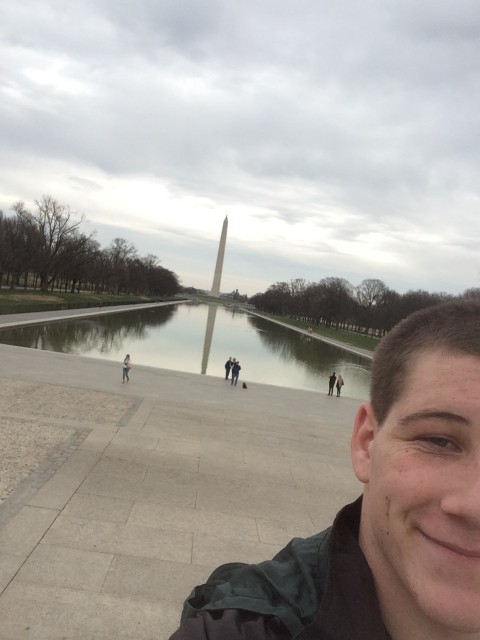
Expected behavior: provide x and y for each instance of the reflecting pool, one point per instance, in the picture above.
(198, 338)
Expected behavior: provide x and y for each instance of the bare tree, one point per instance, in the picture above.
(473, 292)
(121, 253)
(47, 244)
(369, 292)
(3, 246)
(17, 245)
(78, 254)
(55, 229)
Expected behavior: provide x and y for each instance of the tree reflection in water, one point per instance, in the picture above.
(318, 358)
(103, 333)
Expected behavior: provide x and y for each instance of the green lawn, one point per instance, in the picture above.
(226, 302)
(21, 301)
(349, 337)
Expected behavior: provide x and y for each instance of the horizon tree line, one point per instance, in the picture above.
(44, 249)
(371, 308)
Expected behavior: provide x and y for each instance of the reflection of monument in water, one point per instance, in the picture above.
(212, 308)
(207, 343)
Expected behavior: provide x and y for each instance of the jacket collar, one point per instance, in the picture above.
(349, 607)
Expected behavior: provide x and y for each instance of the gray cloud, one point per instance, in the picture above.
(361, 117)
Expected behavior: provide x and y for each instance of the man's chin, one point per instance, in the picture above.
(452, 609)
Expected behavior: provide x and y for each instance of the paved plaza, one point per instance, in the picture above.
(116, 499)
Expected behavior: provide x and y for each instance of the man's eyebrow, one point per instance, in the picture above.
(427, 414)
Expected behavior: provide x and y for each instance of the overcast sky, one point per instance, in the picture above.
(340, 137)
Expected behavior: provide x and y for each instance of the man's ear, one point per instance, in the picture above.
(364, 432)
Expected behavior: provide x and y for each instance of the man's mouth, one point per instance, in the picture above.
(467, 552)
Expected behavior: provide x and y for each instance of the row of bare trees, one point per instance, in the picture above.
(371, 307)
(45, 249)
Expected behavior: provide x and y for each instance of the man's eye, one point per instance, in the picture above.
(438, 441)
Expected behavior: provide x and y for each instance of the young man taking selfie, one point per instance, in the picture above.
(403, 561)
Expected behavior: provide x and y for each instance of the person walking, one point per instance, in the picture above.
(126, 368)
(331, 383)
(235, 372)
(228, 366)
(339, 385)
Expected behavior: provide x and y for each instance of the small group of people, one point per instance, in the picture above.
(232, 366)
(331, 384)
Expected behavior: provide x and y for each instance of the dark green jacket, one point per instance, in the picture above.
(318, 588)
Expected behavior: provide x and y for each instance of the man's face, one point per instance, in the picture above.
(420, 527)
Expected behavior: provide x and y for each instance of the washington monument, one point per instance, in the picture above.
(219, 265)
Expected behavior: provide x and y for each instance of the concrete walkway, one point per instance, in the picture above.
(116, 499)
(9, 320)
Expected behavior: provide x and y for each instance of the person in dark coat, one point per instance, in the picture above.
(403, 561)
(228, 366)
(331, 383)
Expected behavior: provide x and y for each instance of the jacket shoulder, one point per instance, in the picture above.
(289, 586)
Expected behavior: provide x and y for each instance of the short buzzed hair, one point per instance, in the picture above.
(452, 326)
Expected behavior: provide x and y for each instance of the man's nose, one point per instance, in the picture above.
(462, 496)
